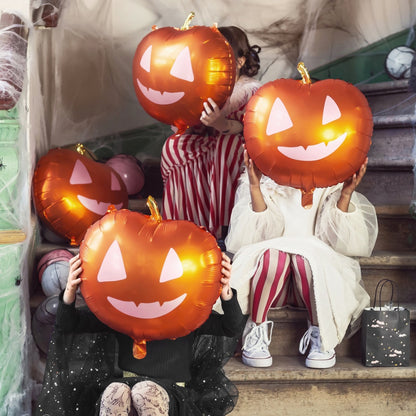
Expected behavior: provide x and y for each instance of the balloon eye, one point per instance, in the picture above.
(182, 67)
(331, 111)
(279, 119)
(80, 174)
(112, 268)
(172, 268)
(145, 61)
(115, 184)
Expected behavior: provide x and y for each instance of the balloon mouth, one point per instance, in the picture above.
(143, 310)
(159, 97)
(96, 207)
(313, 152)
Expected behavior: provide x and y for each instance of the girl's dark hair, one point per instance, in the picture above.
(241, 47)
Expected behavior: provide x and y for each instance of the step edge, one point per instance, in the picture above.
(400, 120)
(286, 369)
(388, 259)
(385, 87)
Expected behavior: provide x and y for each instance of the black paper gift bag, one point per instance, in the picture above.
(385, 332)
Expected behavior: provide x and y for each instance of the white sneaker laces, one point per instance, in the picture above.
(311, 334)
(259, 336)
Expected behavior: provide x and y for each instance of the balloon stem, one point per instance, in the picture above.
(139, 349)
(80, 148)
(83, 151)
(307, 199)
(306, 79)
(188, 21)
(154, 210)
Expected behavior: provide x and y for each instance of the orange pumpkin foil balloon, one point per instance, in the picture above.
(176, 70)
(71, 191)
(307, 135)
(149, 278)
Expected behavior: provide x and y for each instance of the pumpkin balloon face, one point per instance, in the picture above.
(176, 70)
(308, 135)
(72, 191)
(149, 278)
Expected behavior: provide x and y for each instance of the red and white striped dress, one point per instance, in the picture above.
(200, 172)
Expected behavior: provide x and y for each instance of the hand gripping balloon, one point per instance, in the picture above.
(149, 278)
(176, 70)
(307, 135)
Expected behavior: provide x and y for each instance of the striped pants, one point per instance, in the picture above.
(281, 279)
(200, 175)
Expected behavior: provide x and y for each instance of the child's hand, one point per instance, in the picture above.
(226, 292)
(213, 117)
(349, 187)
(73, 279)
(254, 173)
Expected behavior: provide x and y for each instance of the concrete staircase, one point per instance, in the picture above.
(288, 387)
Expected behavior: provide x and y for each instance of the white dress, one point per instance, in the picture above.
(327, 237)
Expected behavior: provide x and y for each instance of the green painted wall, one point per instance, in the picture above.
(365, 65)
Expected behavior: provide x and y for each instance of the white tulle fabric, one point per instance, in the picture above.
(327, 237)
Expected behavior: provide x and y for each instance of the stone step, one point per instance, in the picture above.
(390, 178)
(388, 187)
(400, 267)
(392, 147)
(396, 229)
(390, 98)
(349, 388)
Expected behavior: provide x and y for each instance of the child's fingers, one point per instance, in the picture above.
(224, 280)
(246, 158)
(213, 104)
(207, 108)
(76, 282)
(77, 272)
(72, 260)
(225, 257)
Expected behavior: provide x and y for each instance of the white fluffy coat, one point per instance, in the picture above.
(327, 237)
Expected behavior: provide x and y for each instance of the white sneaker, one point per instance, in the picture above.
(316, 358)
(256, 341)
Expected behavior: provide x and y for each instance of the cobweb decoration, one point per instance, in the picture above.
(45, 13)
(13, 45)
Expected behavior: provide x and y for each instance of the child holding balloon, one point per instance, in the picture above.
(200, 168)
(288, 255)
(163, 382)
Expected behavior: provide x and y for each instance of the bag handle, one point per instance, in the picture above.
(379, 289)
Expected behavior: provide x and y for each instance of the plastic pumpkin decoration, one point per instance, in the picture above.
(176, 70)
(72, 191)
(149, 278)
(307, 135)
